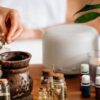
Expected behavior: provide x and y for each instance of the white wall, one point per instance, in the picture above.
(32, 46)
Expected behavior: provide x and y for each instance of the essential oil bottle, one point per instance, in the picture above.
(85, 86)
(84, 70)
(47, 83)
(4, 90)
(97, 87)
(60, 88)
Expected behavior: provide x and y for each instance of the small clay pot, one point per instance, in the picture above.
(15, 59)
(15, 69)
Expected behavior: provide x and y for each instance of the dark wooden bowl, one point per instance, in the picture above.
(15, 59)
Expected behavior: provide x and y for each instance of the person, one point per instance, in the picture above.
(36, 13)
(26, 19)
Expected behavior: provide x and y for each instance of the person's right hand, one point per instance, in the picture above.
(10, 25)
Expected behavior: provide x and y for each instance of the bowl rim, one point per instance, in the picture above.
(29, 56)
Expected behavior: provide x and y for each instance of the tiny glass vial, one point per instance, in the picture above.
(60, 89)
(85, 86)
(98, 71)
(43, 94)
(50, 85)
(40, 97)
(46, 73)
(4, 90)
(84, 70)
(47, 82)
(97, 87)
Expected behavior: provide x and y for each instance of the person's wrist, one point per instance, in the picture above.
(39, 33)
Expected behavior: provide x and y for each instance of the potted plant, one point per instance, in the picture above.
(89, 15)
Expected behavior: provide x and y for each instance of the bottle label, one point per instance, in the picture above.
(85, 73)
(97, 86)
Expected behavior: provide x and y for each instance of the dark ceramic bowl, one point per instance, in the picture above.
(15, 59)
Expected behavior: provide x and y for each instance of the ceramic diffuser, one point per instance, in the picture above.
(67, 46)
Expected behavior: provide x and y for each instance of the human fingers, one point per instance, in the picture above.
(16, 34)
(14, 19)
(3, 28)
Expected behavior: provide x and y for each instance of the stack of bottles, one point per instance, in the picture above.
(85, 80)
(86, 83)
(53, 86)
(97, 83)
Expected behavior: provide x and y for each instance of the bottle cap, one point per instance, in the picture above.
(58, 76)
(47, 72)
(85, 79)
(97, 80)
(98, 70)
(84, 68)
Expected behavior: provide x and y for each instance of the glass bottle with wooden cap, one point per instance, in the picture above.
(47, 83)
(4, 90)
(60, 89)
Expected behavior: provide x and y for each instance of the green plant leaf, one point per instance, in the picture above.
(88, 7)
(87, 17)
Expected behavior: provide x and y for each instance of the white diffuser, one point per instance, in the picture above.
(67, 46)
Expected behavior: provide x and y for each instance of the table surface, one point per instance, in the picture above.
(73, 85)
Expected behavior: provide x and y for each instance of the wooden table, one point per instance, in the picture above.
(73, 84)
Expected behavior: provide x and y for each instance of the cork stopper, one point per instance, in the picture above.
(47, 72)
(97, 80)
(98, 70)
(85, 68)
(4, 81)
(85, 79)
(58, 76)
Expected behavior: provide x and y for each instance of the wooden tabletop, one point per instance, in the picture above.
(73, 85)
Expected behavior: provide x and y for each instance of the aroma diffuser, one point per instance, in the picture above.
(67, 46)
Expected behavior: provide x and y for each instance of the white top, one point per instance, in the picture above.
(97, 80)
(85, 79)
(38, 13)
(84, 68)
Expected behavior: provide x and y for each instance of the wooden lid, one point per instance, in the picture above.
(58, 76)
(47, 72)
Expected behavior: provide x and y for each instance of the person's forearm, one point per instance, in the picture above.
(29, 33)
(95, 24)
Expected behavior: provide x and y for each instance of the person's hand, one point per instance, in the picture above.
(10, 25)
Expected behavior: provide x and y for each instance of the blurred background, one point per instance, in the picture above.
(63, 12)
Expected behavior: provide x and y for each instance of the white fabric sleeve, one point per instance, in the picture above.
(39, 13)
